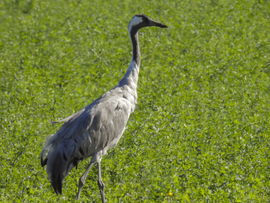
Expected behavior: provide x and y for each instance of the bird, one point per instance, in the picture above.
(96, 128)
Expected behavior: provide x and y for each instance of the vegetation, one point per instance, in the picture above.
(201, 129)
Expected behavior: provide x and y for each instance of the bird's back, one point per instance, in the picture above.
(96, 127)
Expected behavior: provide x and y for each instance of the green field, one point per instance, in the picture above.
(201, 129)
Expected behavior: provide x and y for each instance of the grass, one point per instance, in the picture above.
(201, 129)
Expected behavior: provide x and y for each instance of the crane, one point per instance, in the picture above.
(97, 127)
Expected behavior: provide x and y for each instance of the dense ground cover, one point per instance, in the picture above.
(201, 129)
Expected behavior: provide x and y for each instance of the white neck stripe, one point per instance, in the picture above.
(134, 21)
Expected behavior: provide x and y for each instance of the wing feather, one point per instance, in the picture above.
(97, 125)
(72, 117)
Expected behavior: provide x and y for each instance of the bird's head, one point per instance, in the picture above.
(140, 20)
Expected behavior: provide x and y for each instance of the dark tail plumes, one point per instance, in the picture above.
(59, 160)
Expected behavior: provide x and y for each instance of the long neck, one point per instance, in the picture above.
(136, 54)
(131, 77)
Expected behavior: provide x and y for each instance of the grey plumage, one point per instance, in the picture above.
(97, 127)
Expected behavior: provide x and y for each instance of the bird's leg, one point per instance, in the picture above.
(100, 183)
(82, 179)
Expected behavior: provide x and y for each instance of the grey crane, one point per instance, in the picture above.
(97, 127)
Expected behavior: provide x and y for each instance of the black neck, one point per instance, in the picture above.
(135, 45)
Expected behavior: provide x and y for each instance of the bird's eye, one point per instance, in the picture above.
(146, 20)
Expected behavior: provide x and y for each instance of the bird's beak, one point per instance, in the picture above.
(157, 24)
